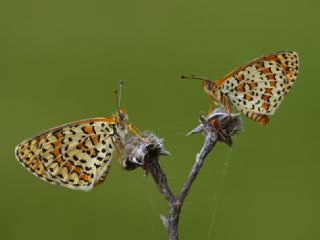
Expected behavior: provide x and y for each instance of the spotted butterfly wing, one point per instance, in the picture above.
(258, 88)
(75, 155)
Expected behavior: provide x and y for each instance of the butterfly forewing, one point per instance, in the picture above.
(259, 86)
(75, 155)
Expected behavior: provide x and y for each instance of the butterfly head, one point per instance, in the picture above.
(208, 86)
(212, 89)
(122, 116)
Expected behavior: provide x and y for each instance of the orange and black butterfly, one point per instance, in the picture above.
(256, 88)
(76, 155)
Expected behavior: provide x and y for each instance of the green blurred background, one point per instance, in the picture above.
(60, 61)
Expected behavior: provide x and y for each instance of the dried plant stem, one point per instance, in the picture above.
(219, 126)
(176, 202)
(209, 143)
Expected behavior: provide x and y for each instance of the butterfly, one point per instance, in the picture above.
(257, 88)
(76, 155)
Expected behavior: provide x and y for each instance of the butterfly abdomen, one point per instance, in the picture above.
(262, 119)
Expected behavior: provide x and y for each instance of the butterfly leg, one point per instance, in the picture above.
(137, 132)
(227, 104)
(115, 143)
(211, 103)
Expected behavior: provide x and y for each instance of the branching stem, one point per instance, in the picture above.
(219, 126)
(176, 202)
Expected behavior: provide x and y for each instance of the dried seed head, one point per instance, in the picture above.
(136, 150)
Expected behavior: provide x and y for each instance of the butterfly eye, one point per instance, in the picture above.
(208, 85)
(122, 116)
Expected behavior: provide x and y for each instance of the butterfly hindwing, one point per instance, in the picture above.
(75, 155)
(28, 155)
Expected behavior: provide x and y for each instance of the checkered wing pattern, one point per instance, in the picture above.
(75, 155)
(259, 87)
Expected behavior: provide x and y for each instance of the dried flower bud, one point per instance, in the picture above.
(221, 125)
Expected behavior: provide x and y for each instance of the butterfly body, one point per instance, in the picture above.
(75, 155)
(257, 88)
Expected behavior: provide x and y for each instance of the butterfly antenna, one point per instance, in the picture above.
(120, 91)
(115, 92)
(194, 77)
